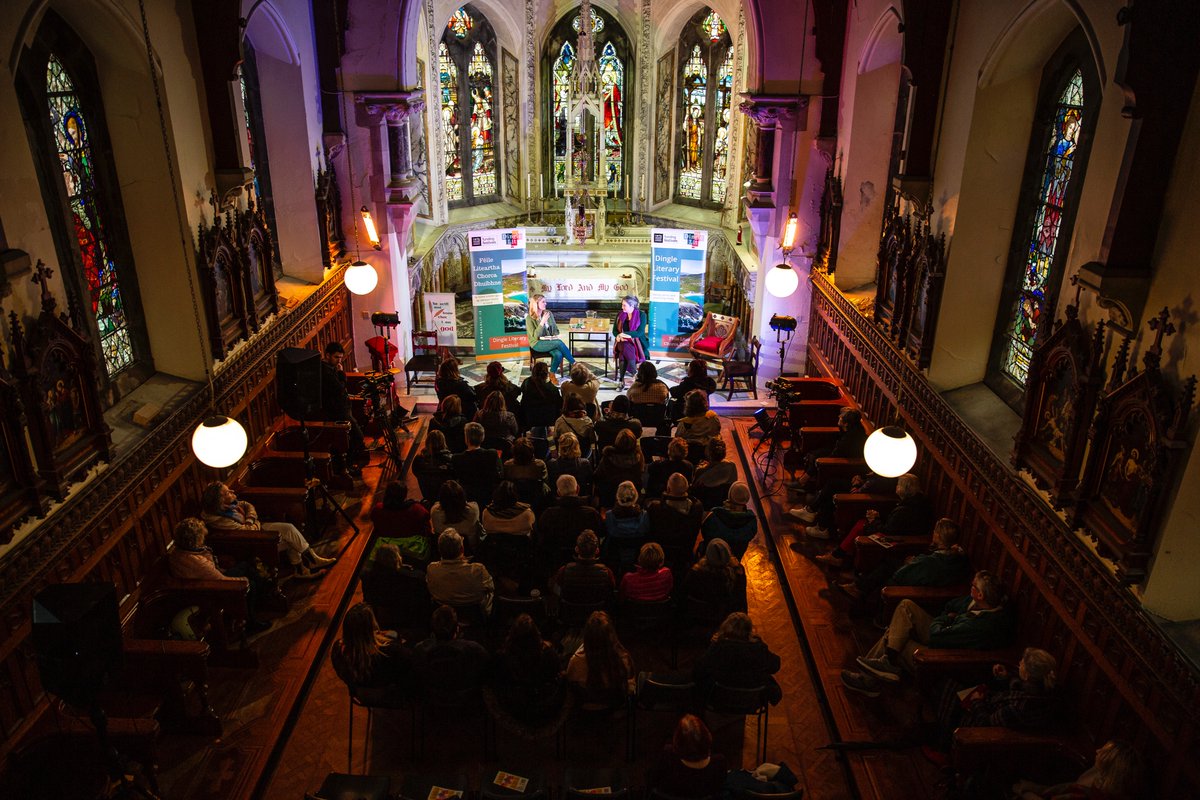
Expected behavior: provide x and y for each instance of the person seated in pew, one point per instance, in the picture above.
(979, 621)
(569, 460)
(559, 526)
(497, 421)
(392, 588)
(717, 578)
(455, 581)
(676, 461)
(541, 399)
(574, 420)
(506, 515)
(821, 510)
(674, 520)
(738, 658)
(224, 511)
(1025, 702)
(1117, 773)
(450, 422)
(697, 378)
(450, 383)
(586, 579)
(944, 565)
(912, 516)
(616, 419)
(621, 461)
(433, 466)
(700, 423)
(369, 658)
(733, 521)
(849, 444)
(478, 468)
(399, 516)
(583, 384)
(444, 660)
(651, 582)
(191, 560)
(715, 470)
(688, 767)
(453, 510)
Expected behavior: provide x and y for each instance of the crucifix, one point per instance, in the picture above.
(1162, 326)
(41, 276)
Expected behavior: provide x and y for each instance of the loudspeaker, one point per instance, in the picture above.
(298, 382)
(77, 639)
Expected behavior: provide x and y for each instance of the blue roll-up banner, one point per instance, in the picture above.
(677, 267)
(498, 293)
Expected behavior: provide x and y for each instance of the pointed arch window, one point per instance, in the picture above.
(256, 142)
(1055, 167)
(89, 217)
(467, 70)
(706, 97)
(613, 59)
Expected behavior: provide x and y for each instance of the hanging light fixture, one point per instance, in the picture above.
(782, 280)
(361, 278)
(369, 224)
(219, 441)
(890, 451)
(788, 242)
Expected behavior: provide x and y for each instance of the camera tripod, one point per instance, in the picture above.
(385, 416)
(314, 488)
(769, 463)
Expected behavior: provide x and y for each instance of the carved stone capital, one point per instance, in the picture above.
(772, 110)
(393, 107)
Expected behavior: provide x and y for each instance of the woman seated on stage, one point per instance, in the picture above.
(629, 340)
(647, 388)
(543, 333)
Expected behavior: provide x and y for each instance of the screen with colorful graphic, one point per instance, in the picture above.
(498, 292)
(677, 267)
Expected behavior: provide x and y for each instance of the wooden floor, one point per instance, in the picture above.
(286, 723)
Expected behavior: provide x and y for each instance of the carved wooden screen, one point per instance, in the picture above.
(329, 217)
(19, 483)
(257, 251)
(831, 222)
(1138, 433)
(55, 367)
(892, 244)
(1065, 376)
(222, 286)
(928, 276)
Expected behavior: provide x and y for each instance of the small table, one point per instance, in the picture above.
(597, 333)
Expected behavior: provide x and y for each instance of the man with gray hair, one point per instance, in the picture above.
(477, 468)
(455, 581)
(559, 525)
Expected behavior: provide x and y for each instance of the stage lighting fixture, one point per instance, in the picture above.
(385, 319)
(781, 323)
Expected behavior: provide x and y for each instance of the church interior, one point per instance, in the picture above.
(913, 520)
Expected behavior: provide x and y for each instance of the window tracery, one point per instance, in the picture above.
(467, 80)
(706, 95)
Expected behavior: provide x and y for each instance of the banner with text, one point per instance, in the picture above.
(498, 292)
(440, 317)
(677, 267)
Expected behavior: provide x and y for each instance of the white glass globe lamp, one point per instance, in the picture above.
(890, 451)
(782, 280)
(361, 278)
(219, 441)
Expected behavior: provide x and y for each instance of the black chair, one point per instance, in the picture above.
(337, 786)
(744, 372)
(695, 452)
(532, 491)
(737, 701)
(371, 698)
(711, 496)
(581, 784)
(654, 447)
(651, 415)
(656, 619)
(503, 445)
(573, 614)
(507, 555)
(541, 445)
(658, 697)
(426, 358)
(506, 609)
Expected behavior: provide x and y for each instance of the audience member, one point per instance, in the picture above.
(454, 580)
(335, 404)
(367, 658)
(495, 381)
(569, 460)
(434, 466)
(506, 514)
(688, 768)
(477, 468)
(617, 419)
(523, 469)
(676, 461)
(945, 565)
(559, 526)
(715, 471)
(736, 657)
(980, 621)
(733, 521)
(541, 399)
(626, 524)
(497, 421)
(583, 384)
(622, 461)
(912, 516)
(399, 516)
(223, 511)
(191, 560)
(454, 510)
(584, 580)
(445, 662)
(674, 519)
(821, 511)
(647, 388)
(849, 444)
(651, 582)
(449, 420)
(601, 669)
(717, 578)
(395, 591)
(699, 423)
(527, 682)
(1116, 774)
(696, 378)
(449, 383)
(574, 420)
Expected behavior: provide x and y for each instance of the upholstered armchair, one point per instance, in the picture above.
(713, 340)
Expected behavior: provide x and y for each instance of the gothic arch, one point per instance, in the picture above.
(270, 34)
(1032, 36)
(885, 42)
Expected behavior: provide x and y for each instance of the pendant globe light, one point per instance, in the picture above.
(360, 278)
(890, 451)
(219, 441)
(782, 280)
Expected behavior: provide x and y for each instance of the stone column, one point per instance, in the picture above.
(769, 113)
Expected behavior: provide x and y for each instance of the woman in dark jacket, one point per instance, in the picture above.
(497, 421)
(541, 400)
(570, 461)
(450, 420)
(432, 467)
(738, 658)
(367, 658)
(697, 378)
(623, 461)
(528, 684)
(688, 767)
(717, 578)
(449, 382)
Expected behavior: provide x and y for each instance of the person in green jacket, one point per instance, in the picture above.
(543, 333)
(944, 565)
(979, 621)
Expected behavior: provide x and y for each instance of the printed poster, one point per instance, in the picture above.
(499, 293)
(439, 317)
(677, 267)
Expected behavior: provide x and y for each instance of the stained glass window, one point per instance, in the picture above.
(450, 117)
(597, 22)
(561, 90)
(88, 218)
(1058, 163)
(705, 116)
(461, 23)
(466, 76)
(612, 81)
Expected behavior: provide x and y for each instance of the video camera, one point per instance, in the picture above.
(782, 390)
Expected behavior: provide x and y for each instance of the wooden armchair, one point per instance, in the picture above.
(1058, 755)
(816, 413)
(713, 340)
(174, 675)
(850, 507)
(868, 553)
(427, 357)
(744, 372)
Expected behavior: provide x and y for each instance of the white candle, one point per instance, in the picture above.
(528, 186)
